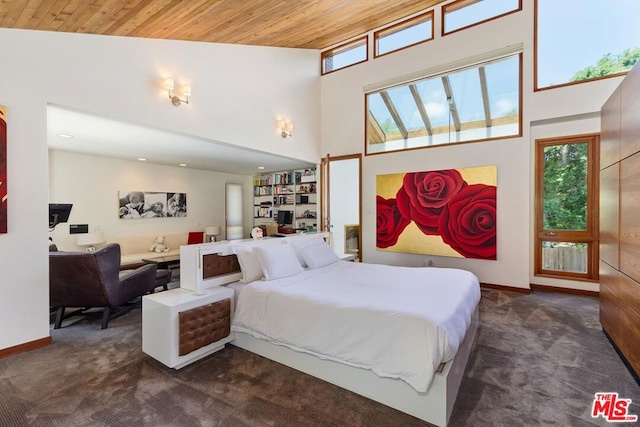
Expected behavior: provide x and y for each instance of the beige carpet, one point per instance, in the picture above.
(538, 360)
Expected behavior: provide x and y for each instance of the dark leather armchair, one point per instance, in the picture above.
(89, 280)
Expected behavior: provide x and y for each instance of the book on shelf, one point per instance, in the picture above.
(262, 191)
(263, 179)
(263, 212)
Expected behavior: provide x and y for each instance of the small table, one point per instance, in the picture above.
(167, 262)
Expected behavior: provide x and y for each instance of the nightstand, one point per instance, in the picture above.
(180, 326)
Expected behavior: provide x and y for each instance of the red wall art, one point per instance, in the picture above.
(447, 212)
(3, 169)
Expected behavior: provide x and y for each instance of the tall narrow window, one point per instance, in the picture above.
(566, 207)
(234, 211)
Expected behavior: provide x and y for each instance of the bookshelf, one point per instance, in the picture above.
(295, 191)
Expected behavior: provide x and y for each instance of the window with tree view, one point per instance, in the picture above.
(582, 40)
(566, 209)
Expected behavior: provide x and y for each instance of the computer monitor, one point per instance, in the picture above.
(284, 218)
(59, 212)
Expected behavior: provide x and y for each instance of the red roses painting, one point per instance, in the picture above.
(455, 208)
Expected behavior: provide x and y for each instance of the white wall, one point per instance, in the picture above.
(343, 133)
(238, 92)
(92, 184)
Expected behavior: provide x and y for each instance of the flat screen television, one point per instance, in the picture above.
(59, 212)
(284, 218)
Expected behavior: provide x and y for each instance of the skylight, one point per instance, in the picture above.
(471, 104)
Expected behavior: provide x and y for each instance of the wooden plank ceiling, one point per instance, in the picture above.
(310, 24)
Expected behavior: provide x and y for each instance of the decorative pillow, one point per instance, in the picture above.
(299, 243)
(249, 265)
(319, 255)
(277, 261)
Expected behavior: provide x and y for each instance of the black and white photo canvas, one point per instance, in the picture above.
(151, 204)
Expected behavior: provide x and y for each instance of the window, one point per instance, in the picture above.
(472, 104)
(234, 211)
(582, 40)
(407, 33)
(567, 208)
(344, 55)
(465, 13)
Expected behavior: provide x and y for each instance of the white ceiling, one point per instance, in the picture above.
(102, 136)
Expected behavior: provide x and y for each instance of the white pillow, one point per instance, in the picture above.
(249, 265)
(319, 255)
(302, 242)
(277, 261)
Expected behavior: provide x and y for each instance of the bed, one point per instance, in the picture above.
(398, 328)
(398, 335)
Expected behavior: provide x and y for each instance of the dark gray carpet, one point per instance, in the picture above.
(538, 360)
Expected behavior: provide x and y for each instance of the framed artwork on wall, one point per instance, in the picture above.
(449, 212)
(3, 169)
(150, 204)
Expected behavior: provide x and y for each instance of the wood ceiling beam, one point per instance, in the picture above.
(485, 96)
(394, 114)
(453, 110)
(420, 105)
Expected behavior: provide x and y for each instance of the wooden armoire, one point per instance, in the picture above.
(620, 219)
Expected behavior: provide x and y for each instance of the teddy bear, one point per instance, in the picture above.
(159, 245)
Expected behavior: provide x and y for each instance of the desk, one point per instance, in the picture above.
(287, 230)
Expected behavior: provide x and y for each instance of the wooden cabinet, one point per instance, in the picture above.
(294, 192)
(610, 130)
(630, 113)
(609, 215)
(619, 219)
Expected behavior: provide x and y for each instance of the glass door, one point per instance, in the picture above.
(341, 194)
(234, 217)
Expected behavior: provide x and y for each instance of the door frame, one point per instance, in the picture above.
(325, 185)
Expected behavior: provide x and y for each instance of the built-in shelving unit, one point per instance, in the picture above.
(294, 191)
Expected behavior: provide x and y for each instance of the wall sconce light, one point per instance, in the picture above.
(285, 127)
(175, 99)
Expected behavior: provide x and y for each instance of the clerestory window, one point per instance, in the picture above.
(407, 33)
(345, 55)
(470, 104)
(466, 13)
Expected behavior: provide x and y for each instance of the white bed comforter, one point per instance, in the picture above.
(400, 322)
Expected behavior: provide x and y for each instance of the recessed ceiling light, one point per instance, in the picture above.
(142, 159)
(65, 135)
(261, 167)
(183, 164)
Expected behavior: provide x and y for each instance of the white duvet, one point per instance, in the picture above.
(400, 322)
